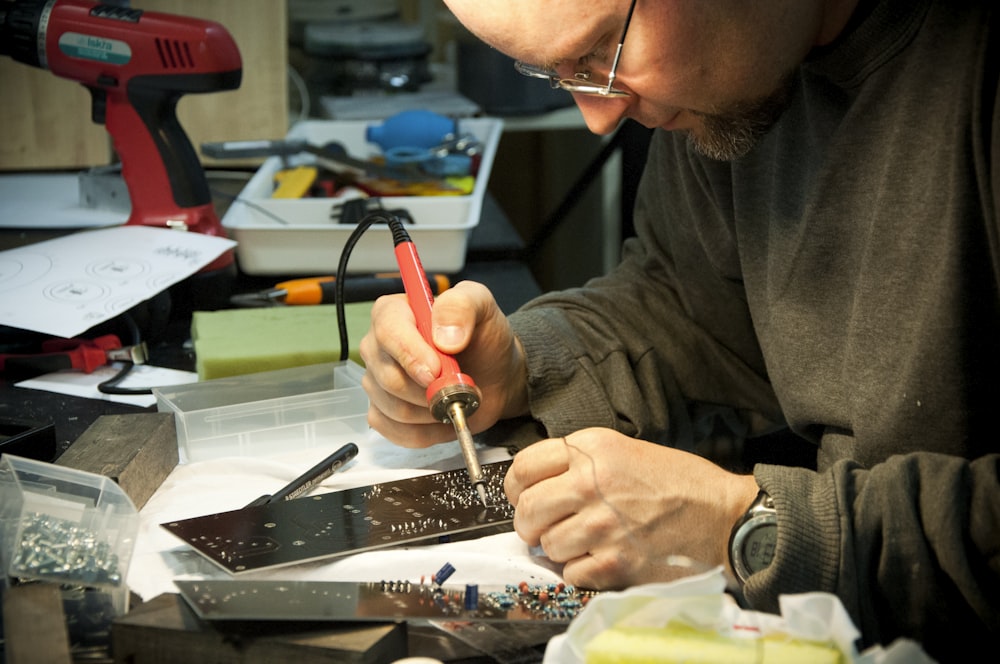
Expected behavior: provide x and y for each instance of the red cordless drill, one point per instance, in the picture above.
(136, 64)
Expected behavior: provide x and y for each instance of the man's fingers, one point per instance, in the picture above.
(457, 312)
(411, 409)
(409, 435)
(535, 463)
(394, 336)
(389, 379)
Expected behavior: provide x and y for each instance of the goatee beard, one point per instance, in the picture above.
(733, 131)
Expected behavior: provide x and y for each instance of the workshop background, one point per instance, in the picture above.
(560, 185)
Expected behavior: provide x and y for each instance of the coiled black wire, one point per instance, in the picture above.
(378, 216)
(110, 386)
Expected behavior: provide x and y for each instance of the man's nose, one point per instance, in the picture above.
(602, 115)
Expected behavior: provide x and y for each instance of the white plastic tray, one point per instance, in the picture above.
(309, 243)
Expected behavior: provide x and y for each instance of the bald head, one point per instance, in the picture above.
(535, 30)
(716, 69)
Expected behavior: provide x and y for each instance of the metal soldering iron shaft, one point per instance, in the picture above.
(456, 411)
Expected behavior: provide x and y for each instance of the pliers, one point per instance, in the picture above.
(84, 355)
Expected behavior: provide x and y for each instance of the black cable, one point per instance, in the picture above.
(366, 222)
(110, 386)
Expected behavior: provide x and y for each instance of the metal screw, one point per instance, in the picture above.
(50, 546)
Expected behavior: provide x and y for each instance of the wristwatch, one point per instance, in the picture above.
(754, 537)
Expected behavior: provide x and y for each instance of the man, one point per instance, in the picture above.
(817, 249)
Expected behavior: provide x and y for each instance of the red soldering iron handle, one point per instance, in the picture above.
(451, 384)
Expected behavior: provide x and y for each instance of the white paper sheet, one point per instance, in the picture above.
(65, 286)
(77, 383)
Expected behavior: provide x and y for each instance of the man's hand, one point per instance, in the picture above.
(466, 323)
(615, 510)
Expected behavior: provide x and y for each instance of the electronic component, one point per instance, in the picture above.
(433, 507)
(232, 599)
(442, 574)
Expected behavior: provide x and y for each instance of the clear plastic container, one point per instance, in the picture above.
(64, 525)
(267, 413)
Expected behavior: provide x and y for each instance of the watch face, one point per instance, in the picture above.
(758, 547)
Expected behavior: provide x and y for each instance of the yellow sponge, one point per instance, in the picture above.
(680, 644)
(233, 342)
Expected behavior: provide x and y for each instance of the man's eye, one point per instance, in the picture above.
(598, 57)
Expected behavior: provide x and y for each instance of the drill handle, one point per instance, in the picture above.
(165, 178)
(158, 110)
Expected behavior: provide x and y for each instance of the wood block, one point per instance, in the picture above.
(165, 630)
(34, 626)
(136, 450)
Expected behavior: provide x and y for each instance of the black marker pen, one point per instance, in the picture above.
(311, 477)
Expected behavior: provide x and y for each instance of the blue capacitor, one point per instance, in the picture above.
(443, 574)
(471, 596)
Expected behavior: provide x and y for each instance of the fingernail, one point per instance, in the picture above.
(448, 335)
(424, 376)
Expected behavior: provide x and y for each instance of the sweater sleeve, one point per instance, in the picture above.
(662, 348)
(911, 546)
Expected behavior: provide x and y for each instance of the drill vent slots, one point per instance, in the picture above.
(174, 54)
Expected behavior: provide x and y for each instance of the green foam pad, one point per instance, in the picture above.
(232, 342)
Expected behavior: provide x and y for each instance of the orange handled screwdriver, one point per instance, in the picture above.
(323, 290)
(359, 288)
(452, 396)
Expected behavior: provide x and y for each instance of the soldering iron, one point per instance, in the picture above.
(136, 65)
(452, 396)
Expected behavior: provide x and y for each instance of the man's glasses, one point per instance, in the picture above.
(581, 82)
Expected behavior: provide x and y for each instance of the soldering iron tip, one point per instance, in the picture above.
(482, 494)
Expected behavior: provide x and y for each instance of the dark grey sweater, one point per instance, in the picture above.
(842, 279)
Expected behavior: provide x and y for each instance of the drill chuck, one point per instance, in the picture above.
(19, 31)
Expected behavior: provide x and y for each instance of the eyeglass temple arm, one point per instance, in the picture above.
(613, 74)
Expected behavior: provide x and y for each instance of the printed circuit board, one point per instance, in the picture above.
(426, 508)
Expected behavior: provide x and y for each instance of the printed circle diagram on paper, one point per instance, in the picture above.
(75, 282)
(97, 288)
